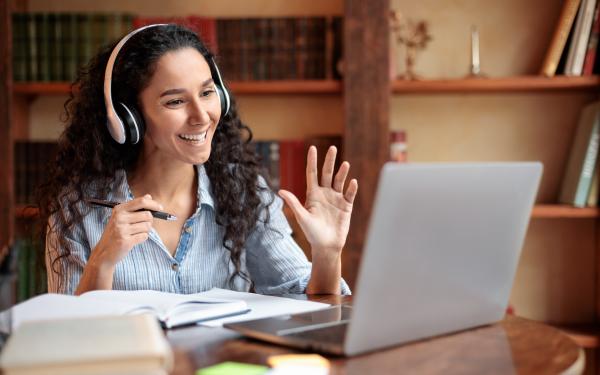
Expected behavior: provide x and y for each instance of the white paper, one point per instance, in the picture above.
(261, 306)
(102, 303)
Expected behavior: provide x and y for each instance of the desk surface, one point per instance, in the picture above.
(512, 346)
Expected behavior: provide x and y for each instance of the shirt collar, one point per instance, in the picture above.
(122, 192)
(205, 195)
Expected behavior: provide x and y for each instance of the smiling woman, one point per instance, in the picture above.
(193, 160)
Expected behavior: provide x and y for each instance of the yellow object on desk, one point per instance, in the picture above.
(307, 364)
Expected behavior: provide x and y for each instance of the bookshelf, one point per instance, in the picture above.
(530, 117)
(468, 85)
(291, 87)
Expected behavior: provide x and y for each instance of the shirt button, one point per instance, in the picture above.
(188, 229)
(174, 266)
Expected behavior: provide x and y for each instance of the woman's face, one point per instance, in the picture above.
(180, 107)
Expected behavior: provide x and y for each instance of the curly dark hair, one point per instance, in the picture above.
(88, 158)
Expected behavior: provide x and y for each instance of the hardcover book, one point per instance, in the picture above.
(582, 158)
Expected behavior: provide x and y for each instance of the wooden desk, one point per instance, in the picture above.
(512, 346)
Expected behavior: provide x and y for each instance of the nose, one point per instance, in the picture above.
(198, 113)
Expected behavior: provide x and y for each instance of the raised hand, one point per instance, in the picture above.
(325, 216)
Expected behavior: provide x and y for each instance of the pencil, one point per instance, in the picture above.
(111, 204)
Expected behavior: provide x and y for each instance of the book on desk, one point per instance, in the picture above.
(132, 345)
(170, 309)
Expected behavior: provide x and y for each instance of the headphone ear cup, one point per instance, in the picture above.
(223, 99)
(133, 122)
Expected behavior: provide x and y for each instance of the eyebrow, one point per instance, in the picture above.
(179, 91)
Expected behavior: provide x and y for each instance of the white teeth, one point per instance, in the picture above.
(194, 137)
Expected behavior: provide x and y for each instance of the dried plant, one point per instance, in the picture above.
(412, 35)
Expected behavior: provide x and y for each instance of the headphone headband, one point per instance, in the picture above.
(115, 124)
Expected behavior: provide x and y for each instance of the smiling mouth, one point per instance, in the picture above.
(194, 138)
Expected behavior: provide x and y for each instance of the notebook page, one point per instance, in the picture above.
(161, 303)
(261, 306)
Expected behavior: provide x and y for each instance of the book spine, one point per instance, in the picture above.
(274, 170)
(559, 38)
(589, 164)
(19, 47)
(43, 42)
(592, 199)
(72, 46)
(579, 44)
(56, 47)
(84, 40)
(590, 55)
(32, 74)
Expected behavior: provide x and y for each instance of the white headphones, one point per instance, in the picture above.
(125, 124)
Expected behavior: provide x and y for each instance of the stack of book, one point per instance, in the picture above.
(573, 47)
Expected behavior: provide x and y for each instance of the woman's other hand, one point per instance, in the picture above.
(325, 216)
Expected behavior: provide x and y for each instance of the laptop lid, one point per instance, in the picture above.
(442, 250)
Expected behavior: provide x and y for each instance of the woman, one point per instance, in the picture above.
(194, 162)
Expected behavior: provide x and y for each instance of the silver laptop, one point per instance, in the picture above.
(441, 253)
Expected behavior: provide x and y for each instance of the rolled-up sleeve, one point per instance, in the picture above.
(276, 263)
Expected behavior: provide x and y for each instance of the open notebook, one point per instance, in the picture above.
(172, 310)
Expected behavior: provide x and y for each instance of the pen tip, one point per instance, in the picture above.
(171, 218)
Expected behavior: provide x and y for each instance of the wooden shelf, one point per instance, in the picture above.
(291, 87)
(585, 335)
(239, 88)
(559, 211)
(508, 84)
(286, 87)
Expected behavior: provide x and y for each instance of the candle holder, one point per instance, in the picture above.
(414, 36)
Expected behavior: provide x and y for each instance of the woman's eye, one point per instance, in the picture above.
(174, 102)
(207, 92)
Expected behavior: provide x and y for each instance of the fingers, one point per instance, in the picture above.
(328, 166)
(146, 202)
(351, 191)
(291, 200)
(137, 228)
(137, 217)
(340, 177)
(311, 168)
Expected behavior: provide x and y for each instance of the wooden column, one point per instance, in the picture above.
(6, 144)
(366, 107)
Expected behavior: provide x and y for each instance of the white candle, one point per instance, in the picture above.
(474, 51)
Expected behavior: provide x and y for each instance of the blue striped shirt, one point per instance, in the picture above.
(271, 257)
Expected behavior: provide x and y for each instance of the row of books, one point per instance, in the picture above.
(580, 182)
(53, 46)
(283, 163)
(573, 48)
(280, 48)
(31, 160)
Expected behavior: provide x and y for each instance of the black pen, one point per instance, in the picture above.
(110, 204)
